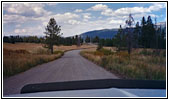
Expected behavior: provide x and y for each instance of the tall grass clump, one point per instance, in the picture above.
(16, 61)
(145, 64)
(20, 57)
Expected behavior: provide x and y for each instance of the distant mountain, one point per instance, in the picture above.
(110, 33)
(105, 33)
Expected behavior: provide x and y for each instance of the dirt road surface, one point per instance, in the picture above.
(69, 67)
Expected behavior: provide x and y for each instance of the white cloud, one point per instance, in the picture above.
(127, 10)
(52, 4)
(17, 19)
(119, 22)
(24, 12)
(29, 30)
(26, 9)
(139, 10)
(98, 7)
(20, 31)
(73, 22)
(107, 12)
(157, 6)
(86, 15)
(133, 10)
(70, 15)
(18, 25)
(63, 18)
(78, 10)
(14, 19)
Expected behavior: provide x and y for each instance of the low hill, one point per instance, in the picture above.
(105, 33)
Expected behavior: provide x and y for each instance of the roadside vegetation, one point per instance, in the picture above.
(20, 57)
(146, 64)
(16, 60)
(138, 53)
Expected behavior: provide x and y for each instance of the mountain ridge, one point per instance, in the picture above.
(103, 33)
(110, 33)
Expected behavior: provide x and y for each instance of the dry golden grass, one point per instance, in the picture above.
(73, 47)
(20, 57)
(113, 49)
(31, 47)
(21, 60)
(141, 64)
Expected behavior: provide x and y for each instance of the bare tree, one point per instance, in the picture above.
(129, 29)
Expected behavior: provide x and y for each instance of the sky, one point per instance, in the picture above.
(75, 18)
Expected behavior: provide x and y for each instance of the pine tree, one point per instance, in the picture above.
(151, 36)
(143, 33)
(52, 34)
(87, 40)
(120, 39)
(136, 34)
(96, 39)
(163, 39)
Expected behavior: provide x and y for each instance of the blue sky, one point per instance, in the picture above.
(75, 18)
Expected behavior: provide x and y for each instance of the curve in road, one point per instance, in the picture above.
(69, 67)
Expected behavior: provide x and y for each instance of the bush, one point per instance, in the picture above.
(134, 66)
(57, 52)
(104, 61)
(105, 51)
(98, 53)
(163, 53)
(123, 54)
(145, 52)
(42, 51)
(100, 46)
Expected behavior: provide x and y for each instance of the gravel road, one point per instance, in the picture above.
(69, 67)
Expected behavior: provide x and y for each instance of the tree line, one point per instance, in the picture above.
(146, 35)
(34, 39)
(27, 39)
(68, 41)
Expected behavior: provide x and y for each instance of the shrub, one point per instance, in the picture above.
(100, 46)
(140, 65)
(145, 52)
(104, 61)
(163, 53)
(42, 51)
(123, 54)
(105, 51)
(98, 53)
(57, 52)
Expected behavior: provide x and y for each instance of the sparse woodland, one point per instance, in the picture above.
(146, 61)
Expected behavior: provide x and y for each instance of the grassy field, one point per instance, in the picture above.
(141, 64)
(20, 57)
